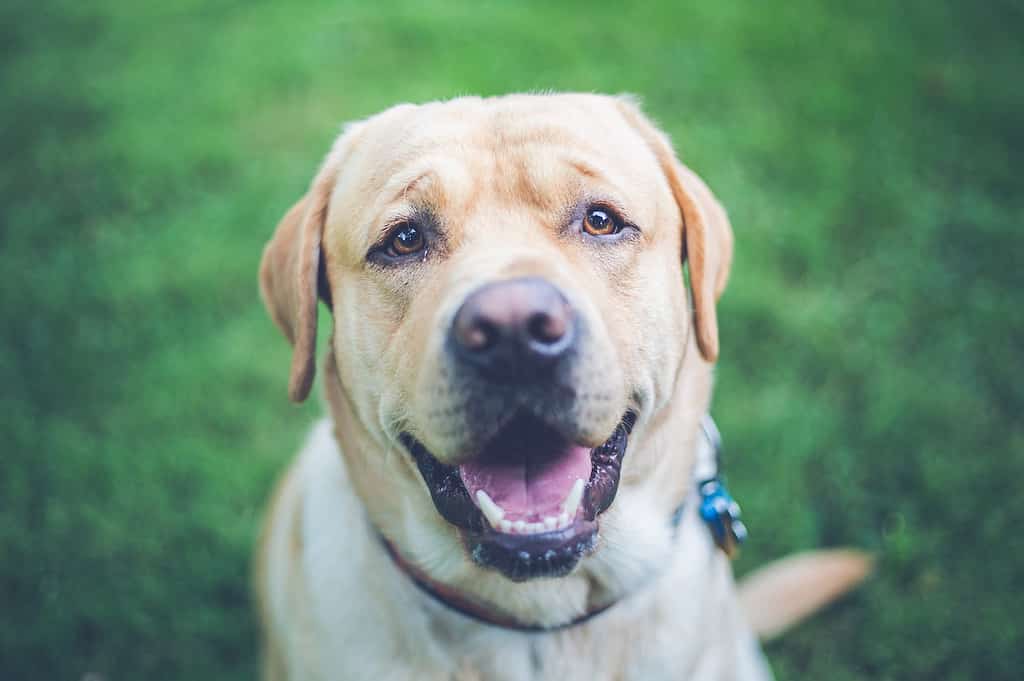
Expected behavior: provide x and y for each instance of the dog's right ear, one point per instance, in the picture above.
(293, 276)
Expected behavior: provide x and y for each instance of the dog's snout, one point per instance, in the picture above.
(510, 329)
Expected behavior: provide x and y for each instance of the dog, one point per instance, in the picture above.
(516, 379)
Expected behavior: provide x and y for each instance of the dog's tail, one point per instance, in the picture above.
(784, 592)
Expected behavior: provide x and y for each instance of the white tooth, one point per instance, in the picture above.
(536, 528)
(491, 510)
(572, 502)
(506, 526)
(519, 526)
(563, 521)
(550, 523)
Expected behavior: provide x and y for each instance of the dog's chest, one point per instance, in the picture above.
(674, 642)
(546, 658)
(553, 659)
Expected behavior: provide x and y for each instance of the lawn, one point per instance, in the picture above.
(869, 386)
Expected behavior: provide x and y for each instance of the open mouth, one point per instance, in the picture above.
(528, 502)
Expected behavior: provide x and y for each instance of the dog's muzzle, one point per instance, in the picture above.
(526, 491)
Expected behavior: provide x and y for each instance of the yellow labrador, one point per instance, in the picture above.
(516, 379)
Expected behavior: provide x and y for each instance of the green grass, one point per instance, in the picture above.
(869, 387)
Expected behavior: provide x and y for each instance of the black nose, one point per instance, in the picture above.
(514, 329)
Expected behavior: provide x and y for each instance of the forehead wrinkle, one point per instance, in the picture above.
(410, 186)
(585, 169)
(407, 184)
(442, 182)
(613, 181)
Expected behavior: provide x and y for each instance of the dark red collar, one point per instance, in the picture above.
(453, 599)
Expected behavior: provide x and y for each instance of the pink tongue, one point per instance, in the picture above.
(527, 488)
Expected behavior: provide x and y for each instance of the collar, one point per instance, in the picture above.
(717, 509)
(455, 600)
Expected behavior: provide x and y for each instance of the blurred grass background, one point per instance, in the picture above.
(869, 387)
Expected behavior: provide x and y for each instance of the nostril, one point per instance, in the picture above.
(546, 328)
(479, 336)
(473, 330)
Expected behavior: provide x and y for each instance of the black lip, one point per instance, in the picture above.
(522, 557)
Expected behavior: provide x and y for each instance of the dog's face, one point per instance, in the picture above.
(509, 304)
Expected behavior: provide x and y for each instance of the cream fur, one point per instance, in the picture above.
(501, 174)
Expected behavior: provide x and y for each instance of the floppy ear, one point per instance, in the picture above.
(707, 235)
(292, 274)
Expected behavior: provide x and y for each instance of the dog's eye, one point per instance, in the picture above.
(406, 239)
(600, 222)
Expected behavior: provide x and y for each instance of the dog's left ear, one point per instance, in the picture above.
(707, 234)
(293, 276)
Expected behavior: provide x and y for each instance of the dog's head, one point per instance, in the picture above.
(516, 370)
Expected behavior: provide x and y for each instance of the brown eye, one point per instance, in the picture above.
(407, 240)
(599, 222)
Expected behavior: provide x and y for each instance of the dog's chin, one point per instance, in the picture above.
(528, 503)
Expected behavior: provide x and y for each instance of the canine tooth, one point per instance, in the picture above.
(572, 502)
(563, 521)
(491, 510)
(550, 523)
(506, 526)
(519, 526)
